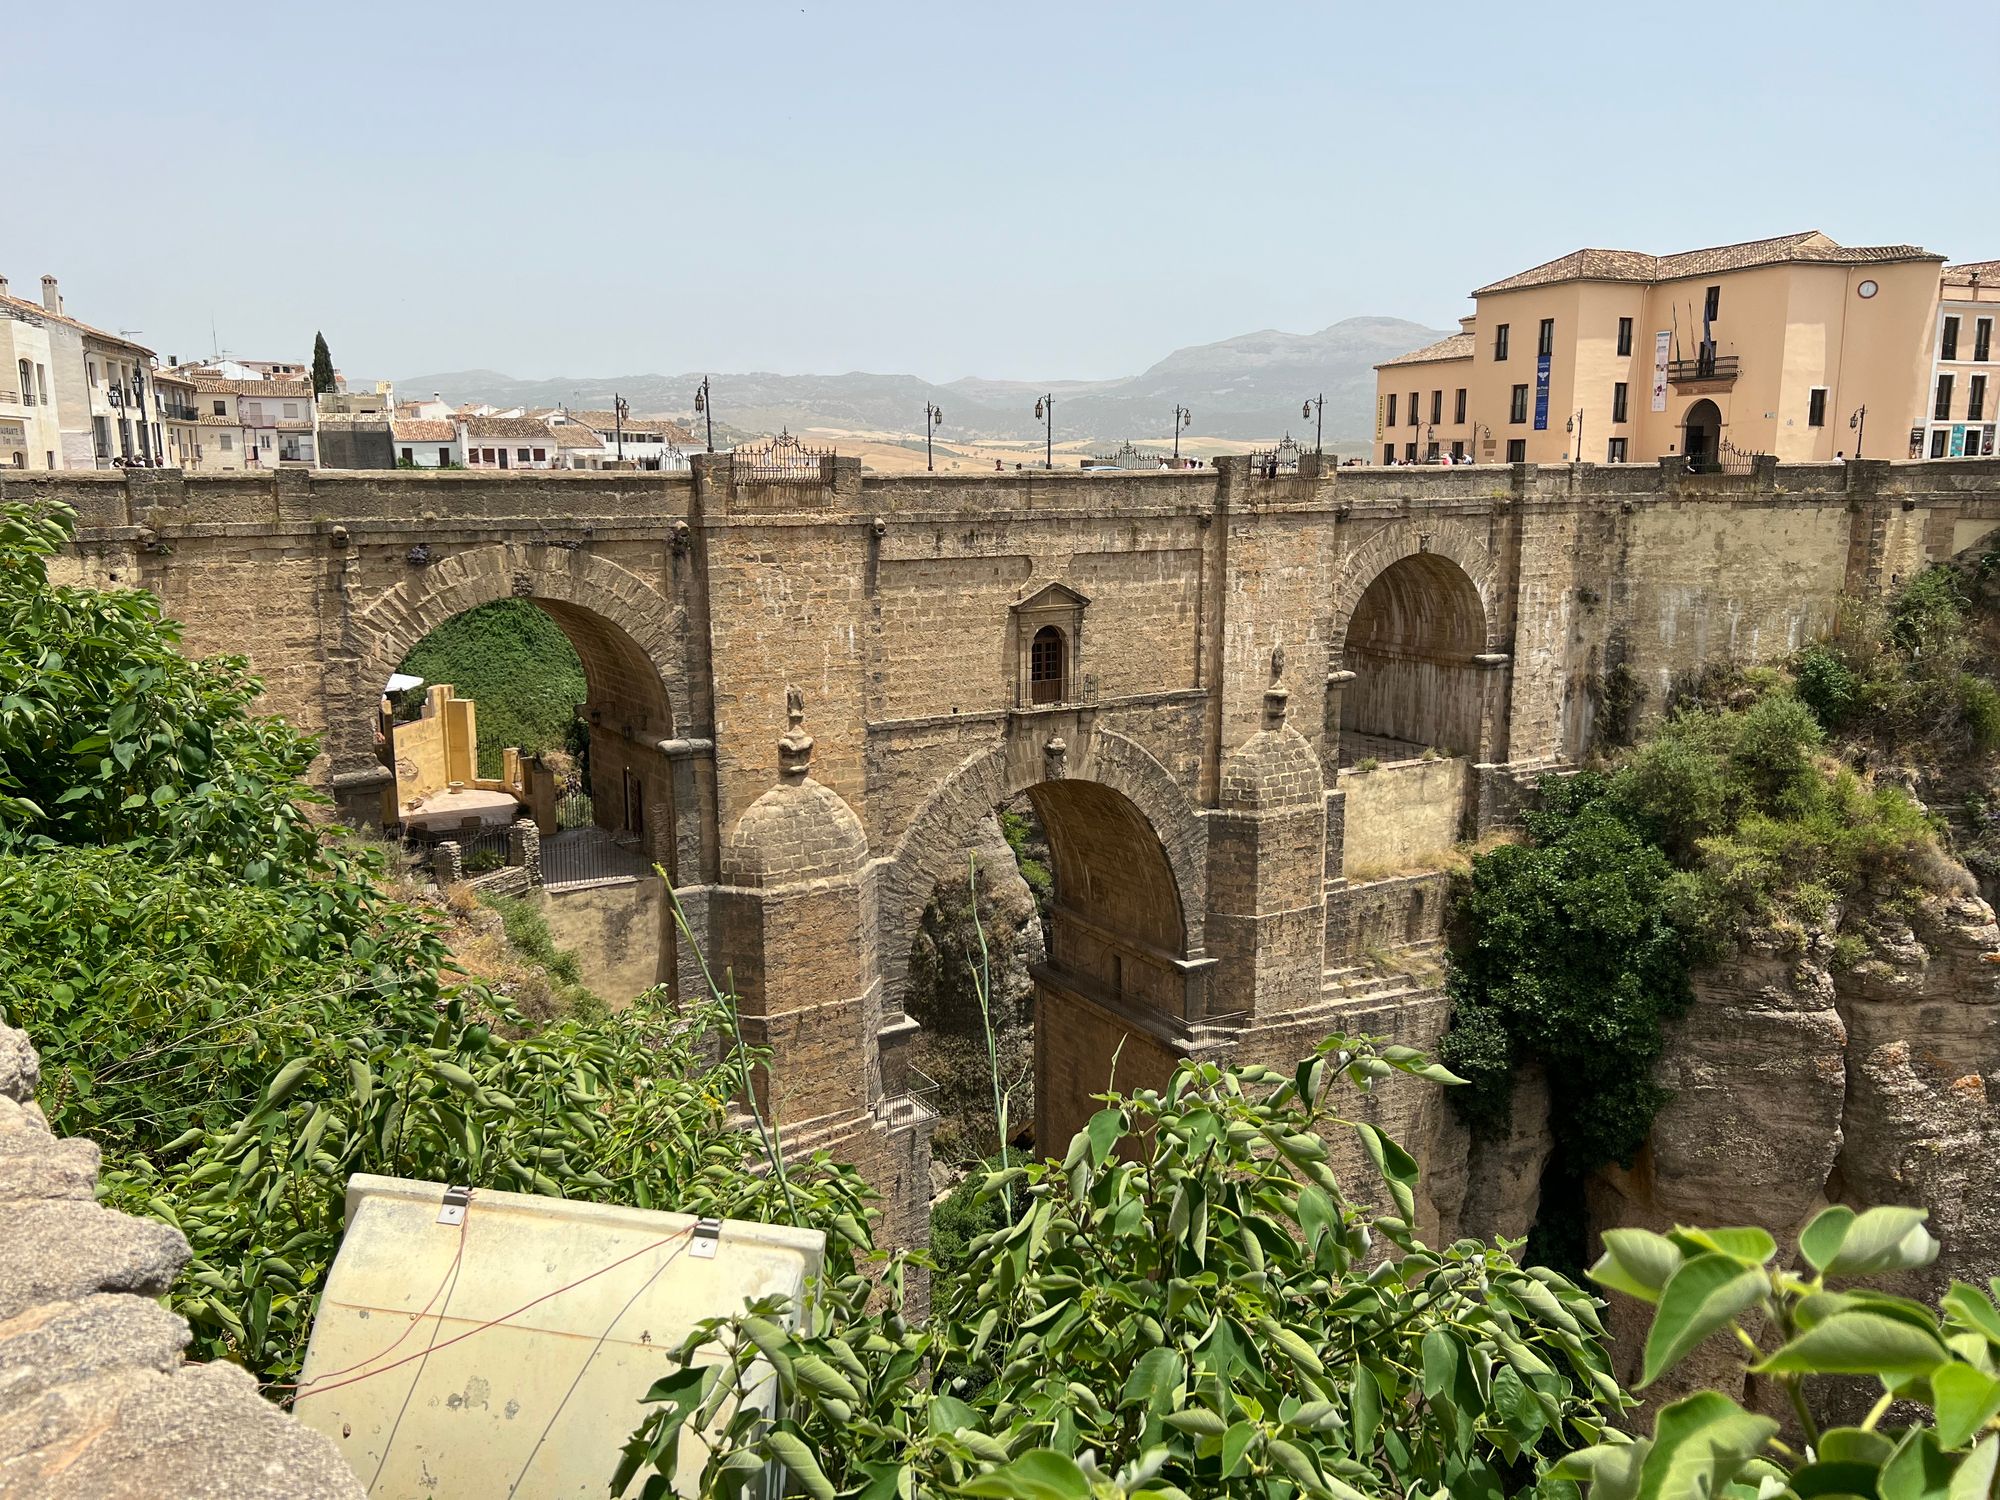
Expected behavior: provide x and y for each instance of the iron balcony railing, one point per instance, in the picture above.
(175, 412)
(1714, 367)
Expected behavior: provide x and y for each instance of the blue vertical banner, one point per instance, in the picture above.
(1541, 393)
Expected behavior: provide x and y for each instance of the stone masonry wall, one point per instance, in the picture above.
(95, 1400)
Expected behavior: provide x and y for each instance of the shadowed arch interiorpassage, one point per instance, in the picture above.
(1411, 645)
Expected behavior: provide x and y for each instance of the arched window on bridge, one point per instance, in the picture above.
(1047, 663)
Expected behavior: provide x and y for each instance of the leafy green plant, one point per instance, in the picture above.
(1186, 1305)
(514, 661)
(1798, 1325)
(1366, 764)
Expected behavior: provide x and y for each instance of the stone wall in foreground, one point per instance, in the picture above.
(96, 1401)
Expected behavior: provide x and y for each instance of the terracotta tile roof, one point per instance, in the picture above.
(1983, 272)
(673, 432)
(506, 427)
(216, 385)
(1458, 346)
(575, 435)
(168, 377)
(10, 303)
(210, 419)
(413, 430)
(1635, 265)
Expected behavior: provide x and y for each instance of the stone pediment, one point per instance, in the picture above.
(1051, 596)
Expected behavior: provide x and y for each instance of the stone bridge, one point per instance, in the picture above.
(1253, 712)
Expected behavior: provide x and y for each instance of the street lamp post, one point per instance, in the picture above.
(1859, 422)
(1316, 408)
(933, 420)
(1182, 418)
(1045, 411)
(1575, 425)
(704, 408)
(619, 407)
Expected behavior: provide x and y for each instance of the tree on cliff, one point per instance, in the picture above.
(322, 366)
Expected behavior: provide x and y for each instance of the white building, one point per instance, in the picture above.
(648, 442)
(422, 444)
(506, 443)
(577, 447)
(1965, 366)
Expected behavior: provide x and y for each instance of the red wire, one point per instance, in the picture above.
(320, 1390)
(411, 1328)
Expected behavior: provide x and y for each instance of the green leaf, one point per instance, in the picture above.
(1440, 1353)
(1753, 1247)
(1698, 1445)
(1366, 1399)
(1105, 1127)
(1919, 1471)
(1154, 1380)
(1700, 1297)
(1610, 1469)
(1636, 1262)
(1858, 1343)
(1819, 1241)
(1973, 1309)
(1974, 1479)
(1890, 1238)
(1234, 1442)
(1964, 1399)
(791, 1450)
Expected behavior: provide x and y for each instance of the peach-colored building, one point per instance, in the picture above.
(1795, 346)
(1965, 367)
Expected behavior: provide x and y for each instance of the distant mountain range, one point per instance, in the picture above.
(1250, 386)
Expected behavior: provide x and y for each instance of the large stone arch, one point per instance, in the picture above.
(620, 626)
(1126, 967)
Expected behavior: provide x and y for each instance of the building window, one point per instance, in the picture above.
(291, 411)
(42, 383)
(1437, 406)
(221, 408)
(1391, 422)
(1939, 437)
(228, 443)
(27, 384)
(1982, 340)
(1975, 399)
(90, 369)
(1431, 453)
(1500, 342)
(1624, 336)
(1517, 409)
(1942, 409)
(1614, 451)
(1620, 393)
(1458, 451)
(1816, 407)
(1458, 406)
(520, 455)
(1045, 666)
(1711, 308)
(1388, 453)
(1413, 409)
(1409, 453)
(1545, 342)
(540, 454)
(1517, 450)
(410, 456)
(1948, 345)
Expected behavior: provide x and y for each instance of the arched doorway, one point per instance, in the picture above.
(1411, 644)
(1701, 435)
(1101, 997)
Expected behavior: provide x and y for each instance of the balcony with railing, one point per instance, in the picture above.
(1703, 369)
(178, 411)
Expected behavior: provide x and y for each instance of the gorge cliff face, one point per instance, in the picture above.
(1796, 1084)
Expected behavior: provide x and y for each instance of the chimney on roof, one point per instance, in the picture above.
(3, 287)
(51, 298)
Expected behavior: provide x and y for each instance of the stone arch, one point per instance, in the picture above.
(1451, 541)
(1413, 647)
(1128, 853)
(619, 624)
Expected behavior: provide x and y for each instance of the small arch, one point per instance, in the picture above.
(1411, 644)
(1048, 666)
(1701, 435)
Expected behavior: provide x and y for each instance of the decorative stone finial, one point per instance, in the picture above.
(1055, 758)
(1276, 696)
(796, 748)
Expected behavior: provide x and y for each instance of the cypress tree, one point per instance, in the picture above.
(322, 366)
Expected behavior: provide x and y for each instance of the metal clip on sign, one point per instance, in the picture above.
(707, 1235)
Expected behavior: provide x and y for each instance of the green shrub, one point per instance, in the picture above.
(1827, 685)
(514, 661)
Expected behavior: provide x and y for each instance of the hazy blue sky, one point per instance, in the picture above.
(1020, 189)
